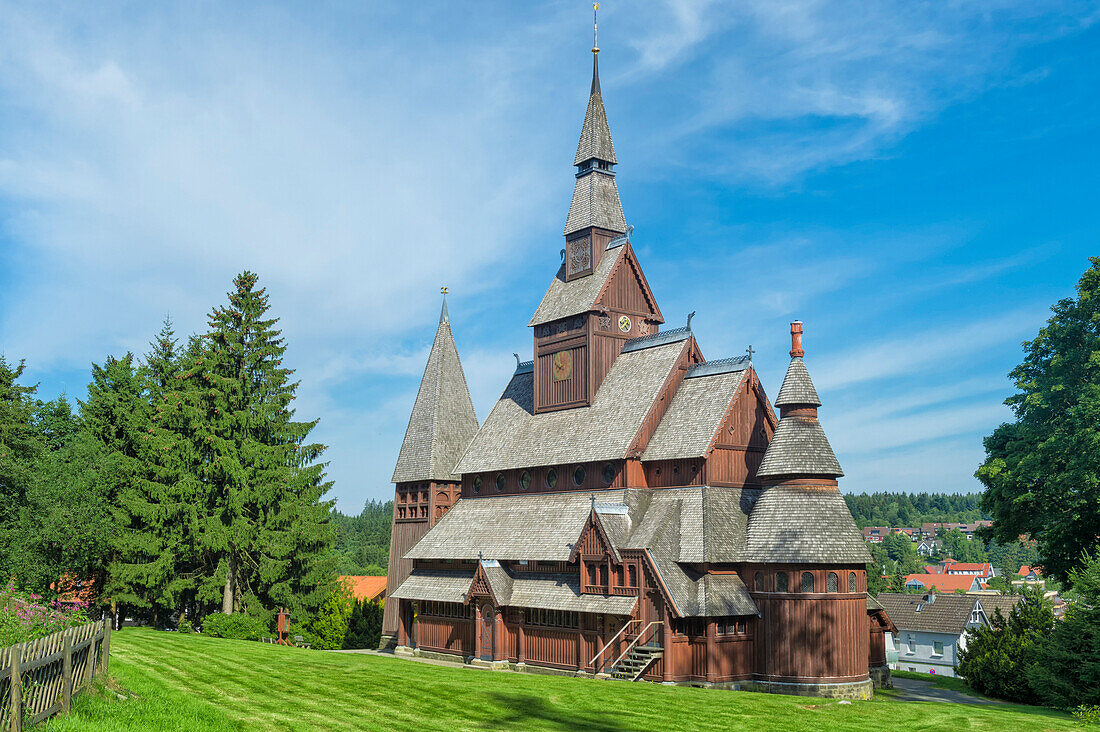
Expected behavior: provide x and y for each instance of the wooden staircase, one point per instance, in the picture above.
(633, 665)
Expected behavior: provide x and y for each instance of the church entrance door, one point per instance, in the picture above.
(487, 618)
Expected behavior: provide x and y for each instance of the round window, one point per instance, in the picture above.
(578, 475)
(609, 473)
(551, 478)
(477, 484)
(525, 480)
(500, 481)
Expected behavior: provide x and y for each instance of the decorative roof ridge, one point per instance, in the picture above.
(660, 338)
(733, 364)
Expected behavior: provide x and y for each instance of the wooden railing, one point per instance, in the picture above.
(600, 668)
(39, 678)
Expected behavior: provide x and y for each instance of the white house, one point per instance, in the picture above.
(932, 628)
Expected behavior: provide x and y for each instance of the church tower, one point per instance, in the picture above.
(599, 298)
(441, 426)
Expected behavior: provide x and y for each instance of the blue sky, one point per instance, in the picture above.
(917, 182)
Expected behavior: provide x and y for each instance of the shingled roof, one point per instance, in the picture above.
(679, 527)
(595, 203)
(696, 412)
(949, 614)
(563, 299)
(443, 420)
(798, 387)
(595, 139)
(799, 448)
(796, 524)
(513, 436)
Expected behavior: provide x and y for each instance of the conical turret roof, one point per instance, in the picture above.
(798, 387)
(443, 420)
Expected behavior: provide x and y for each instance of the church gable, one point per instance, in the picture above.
(593, 541)
(480, 585)
(627, 291)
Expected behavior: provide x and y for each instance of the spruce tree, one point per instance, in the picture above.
(267, 529)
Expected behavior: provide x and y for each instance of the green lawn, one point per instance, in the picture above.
(954, 683)
(192, 683)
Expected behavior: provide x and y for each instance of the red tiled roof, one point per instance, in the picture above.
(1026, 570)
(944, 582)
(370, 588)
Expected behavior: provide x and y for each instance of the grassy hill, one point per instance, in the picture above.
(193, 683)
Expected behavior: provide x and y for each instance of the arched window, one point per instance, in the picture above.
(551, 478)
(500, 481)
(832, 583)
(759, 581)
(782, 582)
(807, 582)
(525, 480)
(578, 475)
(851, 582)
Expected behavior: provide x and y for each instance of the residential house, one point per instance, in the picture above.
(933, 628)
(928, 547)
(943, 582)
(371, 589)
(984, 571)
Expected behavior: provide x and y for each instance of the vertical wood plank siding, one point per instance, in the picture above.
(404, 535)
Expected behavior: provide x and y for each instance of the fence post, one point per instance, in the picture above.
(105, 662)
(67, 673)
(16, 688)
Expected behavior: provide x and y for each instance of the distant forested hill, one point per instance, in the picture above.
(913, 509)
(363, 541)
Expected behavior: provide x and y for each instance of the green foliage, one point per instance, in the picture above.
(996, 659)
(1086, 714)
(20, 447)
(238, 626)
(328, 627)
(1042, 471)
(365, 625)
(25, 616)
(185, 626)
(363, 541)
(269, 532)
(913, 509)
(1066, 668)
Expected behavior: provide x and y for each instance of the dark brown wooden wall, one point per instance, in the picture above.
(811, 637)
(404, 534)
(593, 480)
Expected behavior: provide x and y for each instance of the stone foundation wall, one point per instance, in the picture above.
(850, 690)
(880, 677)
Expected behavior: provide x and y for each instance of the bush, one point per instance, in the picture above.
(1066, 669)
(996, 659)
(185, 626)
(326, 629)
(237, 626)
(1087, 714)
(24, 618)
(365, 625)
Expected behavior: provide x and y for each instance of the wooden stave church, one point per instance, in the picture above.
(628, 507)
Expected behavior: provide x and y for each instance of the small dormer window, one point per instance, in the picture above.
(919, 606)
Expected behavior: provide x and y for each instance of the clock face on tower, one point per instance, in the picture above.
(562, 365)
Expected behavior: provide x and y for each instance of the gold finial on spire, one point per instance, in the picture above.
(444, 290)
(595, 46)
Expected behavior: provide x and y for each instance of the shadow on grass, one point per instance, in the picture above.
(527, 711)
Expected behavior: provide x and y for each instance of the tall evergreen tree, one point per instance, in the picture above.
(1042, 471)
(267, 527)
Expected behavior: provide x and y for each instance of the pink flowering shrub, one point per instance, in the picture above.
(23, 617)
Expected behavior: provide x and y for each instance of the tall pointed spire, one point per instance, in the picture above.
(595, 196)
(443, 420)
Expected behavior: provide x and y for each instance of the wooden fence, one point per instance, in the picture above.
(39, 678)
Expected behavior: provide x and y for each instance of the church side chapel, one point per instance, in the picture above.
(629, 508)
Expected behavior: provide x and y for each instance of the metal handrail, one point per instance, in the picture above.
(635, 641)
(592, 663)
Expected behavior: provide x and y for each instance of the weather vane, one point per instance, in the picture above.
(595, 46)
(444, 290)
